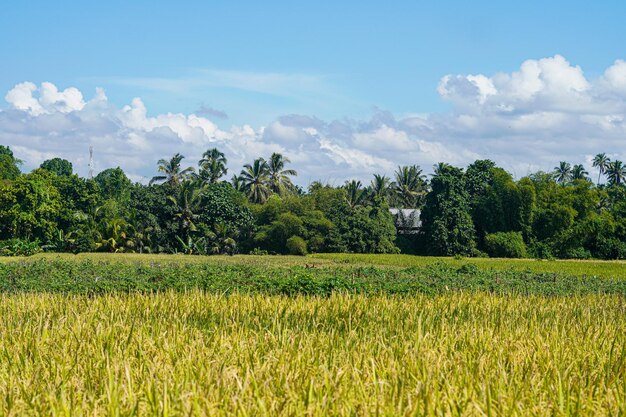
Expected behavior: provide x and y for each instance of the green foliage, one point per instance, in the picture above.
(502, 205)
(221, 203)
(30, 207)
(505, 245)
(562, 215)
(296, 246)
(364, 229)
(58, 166)
(9, 165)
(114, 184)
(19, 247)
(282, 217)
(446, 218)
(87, 276)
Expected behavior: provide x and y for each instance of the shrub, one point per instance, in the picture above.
(577, 253)
(258, 251)
(505, 245)
(611, 248)
(19, 247)
(541, 250)
(296, 246)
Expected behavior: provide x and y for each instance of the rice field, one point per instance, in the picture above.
(196, 353)
(607, 269)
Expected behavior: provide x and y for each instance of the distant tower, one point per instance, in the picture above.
(91, 162)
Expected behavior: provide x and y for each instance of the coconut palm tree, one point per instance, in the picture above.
(237, 183)
(186, 203)
(279, 181)
(255, 178)
(409, 186)
(116, 236)
(580, 173)
(441, 168)
(380, 186)
(172, 172)
(355, 194)
(601, 161)
(616, 173)
(563, 173)
(212, 166)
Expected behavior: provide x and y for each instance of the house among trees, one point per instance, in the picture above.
(407, 220)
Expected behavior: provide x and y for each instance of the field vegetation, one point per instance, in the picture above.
(320, 275)
(186, 353)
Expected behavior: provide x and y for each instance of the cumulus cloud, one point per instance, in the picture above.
(530, 119)
(50, 99)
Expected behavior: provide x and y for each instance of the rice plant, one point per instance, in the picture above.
(198, 353)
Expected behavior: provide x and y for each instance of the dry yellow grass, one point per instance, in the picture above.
(252, 355)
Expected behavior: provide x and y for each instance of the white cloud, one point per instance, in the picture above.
(50, 99)
(530, 119)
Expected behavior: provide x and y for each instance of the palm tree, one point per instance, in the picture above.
(186, 204)
(212, 166)
(616, 173)
(580, 173)
(279, 181)
(355, 194)
(563, 173)
(441, 167)
(255, 179)
(601, 161)
(380, 186)
(237, 183)
(409, 186)
(116, 236)
(171, 169)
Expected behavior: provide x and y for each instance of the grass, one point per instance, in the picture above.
(192, 353)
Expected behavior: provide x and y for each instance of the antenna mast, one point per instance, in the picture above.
(91, 162)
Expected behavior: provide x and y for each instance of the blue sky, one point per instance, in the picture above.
(251, 63)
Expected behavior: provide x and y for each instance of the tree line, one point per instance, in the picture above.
(480, 210)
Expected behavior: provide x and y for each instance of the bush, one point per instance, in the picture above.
(577, 253)
(258, 251)
(19, 247)
(541, 250)
(611, 248)
(505, 245)
(296, 246)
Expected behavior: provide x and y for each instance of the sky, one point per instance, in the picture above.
(343, 90)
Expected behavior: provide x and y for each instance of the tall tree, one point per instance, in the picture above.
(212, 166)
(255, 178)
(447, 222)
(616, 173)
(279, 177)
(409, 186)
(238, 183)
(355, 194)
(114, 184)
(441, 167)
(186, 203)
(61, 167)
(601, 161)
(478, 177)
(380, 186)
(563, 173)
(579, 172)
(173, 174)
(9, 165)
